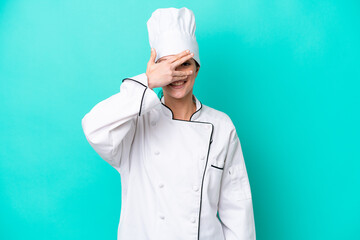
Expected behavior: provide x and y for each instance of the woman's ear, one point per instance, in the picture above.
(197, 71)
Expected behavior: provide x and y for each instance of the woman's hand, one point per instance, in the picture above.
(163, 73)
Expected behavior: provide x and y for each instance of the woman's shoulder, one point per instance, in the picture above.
(217, 117)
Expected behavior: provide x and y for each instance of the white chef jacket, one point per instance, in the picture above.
(175, 174)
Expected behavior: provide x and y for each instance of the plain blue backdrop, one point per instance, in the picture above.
(285, 71)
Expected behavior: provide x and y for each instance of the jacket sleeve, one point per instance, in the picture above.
(110, 125)
(235, 202)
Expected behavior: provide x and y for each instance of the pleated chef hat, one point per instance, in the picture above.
(172, 31)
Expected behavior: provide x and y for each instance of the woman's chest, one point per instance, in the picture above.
(182, 152)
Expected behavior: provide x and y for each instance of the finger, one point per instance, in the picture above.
(179, 55)
(182, 60)
(181, 73)
(152, 56)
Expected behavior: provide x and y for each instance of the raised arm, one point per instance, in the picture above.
(110, 125)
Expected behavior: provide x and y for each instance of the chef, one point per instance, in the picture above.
(182, 169)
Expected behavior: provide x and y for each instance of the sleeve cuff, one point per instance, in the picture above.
(149, 97)
(141, 78)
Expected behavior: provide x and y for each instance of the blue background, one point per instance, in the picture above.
(285, 71)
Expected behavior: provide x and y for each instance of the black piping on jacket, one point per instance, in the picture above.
(207, 157)
(210, 141)
(217, 167)
(142, 98)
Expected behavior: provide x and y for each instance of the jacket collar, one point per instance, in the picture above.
(168, 112)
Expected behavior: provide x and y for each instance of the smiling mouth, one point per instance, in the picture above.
(178, 84)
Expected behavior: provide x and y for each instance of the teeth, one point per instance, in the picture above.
(177, 83)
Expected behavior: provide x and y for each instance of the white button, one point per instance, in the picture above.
(153, 123)
(157, 152)
(161, 185)
(202, 157)
(193, 220)
(161, 216)
(195, 188)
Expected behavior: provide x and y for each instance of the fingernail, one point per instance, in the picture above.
(187, 51)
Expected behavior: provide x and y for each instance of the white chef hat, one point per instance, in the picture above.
(172, 31)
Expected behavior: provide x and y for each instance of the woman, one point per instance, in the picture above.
(180, 161)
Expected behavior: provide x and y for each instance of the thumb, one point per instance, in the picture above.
(153, 56)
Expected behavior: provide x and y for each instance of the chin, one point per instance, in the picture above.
(179, 92)
(176, 93)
